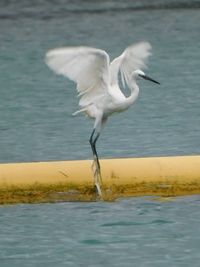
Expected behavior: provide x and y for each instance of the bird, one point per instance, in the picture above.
(100, 81)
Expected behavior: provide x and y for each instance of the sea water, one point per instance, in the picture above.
(36, 125)
(36, 105)
(131, 232)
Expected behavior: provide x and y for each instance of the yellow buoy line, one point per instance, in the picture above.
(74, 181)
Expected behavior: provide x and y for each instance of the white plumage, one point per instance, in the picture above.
(98, 80)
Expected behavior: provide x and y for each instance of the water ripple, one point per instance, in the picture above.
(122, 223)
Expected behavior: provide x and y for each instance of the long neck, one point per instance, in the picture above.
(134, 93)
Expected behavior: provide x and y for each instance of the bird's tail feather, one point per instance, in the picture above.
(79, 111)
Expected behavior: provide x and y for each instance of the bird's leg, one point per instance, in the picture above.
(91, 142)
(93, 146)
(99, 178)
(95, 151)
(96, 164)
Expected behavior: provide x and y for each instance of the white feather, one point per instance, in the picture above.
(97, 79)
(134, 57)
(87, 67)
(98, 85)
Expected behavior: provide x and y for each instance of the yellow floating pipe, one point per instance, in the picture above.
(73, 180)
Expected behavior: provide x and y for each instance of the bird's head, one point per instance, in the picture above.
(138, 74)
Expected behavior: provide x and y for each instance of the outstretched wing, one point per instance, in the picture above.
(134, 57)
(87, 67)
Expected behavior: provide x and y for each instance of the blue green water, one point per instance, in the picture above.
(36, 105)
(130, 232)
(36, 124)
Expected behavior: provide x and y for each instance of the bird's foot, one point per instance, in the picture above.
(98, 189)
(97, 176)
(96, 170)
(96, 163)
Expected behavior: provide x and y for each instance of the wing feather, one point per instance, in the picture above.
(87, 67)
(134, 57)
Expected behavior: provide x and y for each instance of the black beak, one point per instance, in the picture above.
(148, 78)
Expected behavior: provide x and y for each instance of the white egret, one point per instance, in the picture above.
(98, 80)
